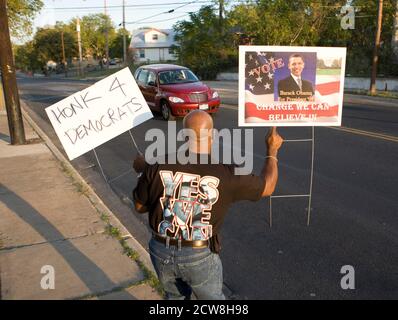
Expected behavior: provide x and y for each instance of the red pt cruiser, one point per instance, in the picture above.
(174, 90)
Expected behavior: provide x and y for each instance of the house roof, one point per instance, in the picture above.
(138, 39)
(165, 31)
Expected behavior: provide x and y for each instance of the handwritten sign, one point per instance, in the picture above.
(291, 86)
(93, 116)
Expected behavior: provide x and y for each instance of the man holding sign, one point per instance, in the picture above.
(187, 205)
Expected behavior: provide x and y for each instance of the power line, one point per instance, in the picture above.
(192, 2)
(184, 15)
(116, 10)
(170, 11)
(135, 6)
(150, 5)
(128, 6)
(133, 9)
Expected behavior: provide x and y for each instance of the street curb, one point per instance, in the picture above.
(91, 195)
(350, 98)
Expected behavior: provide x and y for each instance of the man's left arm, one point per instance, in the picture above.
(251, 187)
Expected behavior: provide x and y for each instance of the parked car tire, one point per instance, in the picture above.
(166, 111)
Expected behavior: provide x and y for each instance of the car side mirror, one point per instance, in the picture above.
(152, 83)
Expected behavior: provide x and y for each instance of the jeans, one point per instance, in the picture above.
(187, 270)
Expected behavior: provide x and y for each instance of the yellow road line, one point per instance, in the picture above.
(345, 129)
(229, 106)
(367, 133)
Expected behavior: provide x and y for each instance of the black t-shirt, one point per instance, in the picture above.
(190, 201)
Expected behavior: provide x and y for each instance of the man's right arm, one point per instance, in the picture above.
(270, 170)
(140, 193)
(139, 207)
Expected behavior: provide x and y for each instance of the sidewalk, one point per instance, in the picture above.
(48, 219)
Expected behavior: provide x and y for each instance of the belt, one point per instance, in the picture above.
(184, 243)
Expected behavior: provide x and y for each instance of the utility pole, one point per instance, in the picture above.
(106, 37)
(79, 42)
(221, 9)
(11, 96)
(63, 53)
(376, 49)
(124, 35)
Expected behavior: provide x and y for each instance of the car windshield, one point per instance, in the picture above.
(177, 76)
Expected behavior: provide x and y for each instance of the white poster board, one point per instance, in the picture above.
(291, 86)
(91, 117)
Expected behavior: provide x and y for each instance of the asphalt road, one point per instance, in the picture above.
(354, 217)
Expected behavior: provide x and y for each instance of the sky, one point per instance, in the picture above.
(136, 10)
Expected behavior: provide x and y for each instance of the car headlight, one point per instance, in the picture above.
(176, 99)
(215, 95)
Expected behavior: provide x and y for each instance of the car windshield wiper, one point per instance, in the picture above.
(180, 82)
(184, 82)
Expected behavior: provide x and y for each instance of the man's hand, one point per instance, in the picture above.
(139, 163)
(273, 141)
(270, 170)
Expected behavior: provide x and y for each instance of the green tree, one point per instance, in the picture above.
(283, 22)
(201, 45)
(317, 23)
(92, 31)
(320, 64)
(47, 44)
(20, 16)
(360, 41)
(26, 58)
(116, 47)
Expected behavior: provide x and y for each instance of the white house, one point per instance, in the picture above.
(153, 45)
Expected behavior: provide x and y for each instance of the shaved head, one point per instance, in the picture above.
(197, 120)
(202, 124)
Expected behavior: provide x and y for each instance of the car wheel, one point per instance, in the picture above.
(166, 112)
